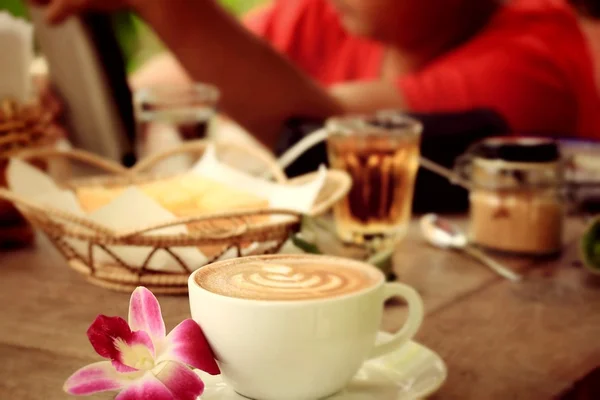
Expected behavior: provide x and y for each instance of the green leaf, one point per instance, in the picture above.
(241, 6)
(15, 7)
(383, 260)
(305, 245)
(590, 246)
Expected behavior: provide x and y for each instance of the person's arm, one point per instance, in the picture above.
(160, 69)
(367, 97)
(260, 88)
(361, 97)
(164, 68)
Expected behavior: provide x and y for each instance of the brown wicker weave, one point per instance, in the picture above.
(22, 126)
(225, 232)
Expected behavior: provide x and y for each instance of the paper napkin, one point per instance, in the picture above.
(16, 56)
(133, 209)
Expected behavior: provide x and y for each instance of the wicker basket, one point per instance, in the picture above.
(21, 127)
(228, 232)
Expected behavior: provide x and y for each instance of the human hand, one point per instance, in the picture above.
(59, 10)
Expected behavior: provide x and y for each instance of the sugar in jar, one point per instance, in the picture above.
(516, 201)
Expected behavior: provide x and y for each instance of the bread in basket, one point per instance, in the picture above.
(224, 228)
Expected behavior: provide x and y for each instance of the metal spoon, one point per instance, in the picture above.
(441, 233)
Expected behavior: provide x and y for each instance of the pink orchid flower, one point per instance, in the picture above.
(145, 363)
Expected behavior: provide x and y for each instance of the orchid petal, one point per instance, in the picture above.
(103, 332)
(146, 388)
(94, 378)
(122, 368)
(145, 314)
(181, 381)
(188, 345)
(112, 338)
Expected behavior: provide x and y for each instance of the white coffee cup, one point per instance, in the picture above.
(299, 349)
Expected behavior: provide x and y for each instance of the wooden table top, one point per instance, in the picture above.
(500, 340)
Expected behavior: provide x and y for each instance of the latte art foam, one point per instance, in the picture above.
(293, 281)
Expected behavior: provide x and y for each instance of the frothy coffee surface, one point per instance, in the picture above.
(284, 280)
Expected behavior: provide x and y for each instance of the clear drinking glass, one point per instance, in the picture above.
(169, 115)
(381, 154)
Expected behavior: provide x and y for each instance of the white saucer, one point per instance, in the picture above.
(412, 372)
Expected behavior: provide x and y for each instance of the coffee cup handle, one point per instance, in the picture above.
(412, 324)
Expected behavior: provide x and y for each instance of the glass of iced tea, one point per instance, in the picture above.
(381, 154)
(171, 114)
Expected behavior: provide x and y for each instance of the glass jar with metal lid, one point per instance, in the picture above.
(516, 200)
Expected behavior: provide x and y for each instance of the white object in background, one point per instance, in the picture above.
(308, 142)
(16, 47)
(39, 67)
(225, 130)
(160, 137)
(299, 198)
(77, 72)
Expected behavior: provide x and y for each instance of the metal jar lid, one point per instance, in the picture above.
(507, 162)
(520, 150)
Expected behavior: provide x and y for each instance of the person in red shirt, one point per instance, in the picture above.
(589, 11)
(524, 59)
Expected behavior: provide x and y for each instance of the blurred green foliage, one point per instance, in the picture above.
(16, 7)
(137, 40)
(241, 6)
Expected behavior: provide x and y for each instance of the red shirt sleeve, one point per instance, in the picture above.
(524, 89)
(525, 75)
(294, 28)
(260, 20)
